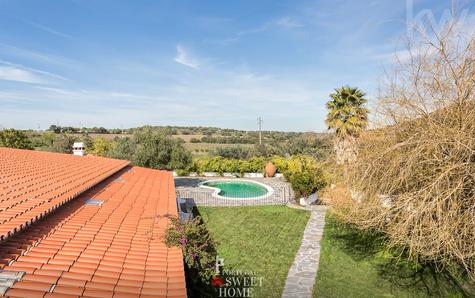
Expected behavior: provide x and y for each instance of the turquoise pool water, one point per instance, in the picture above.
(238, 189)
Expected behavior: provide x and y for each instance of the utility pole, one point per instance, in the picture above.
(259, 122)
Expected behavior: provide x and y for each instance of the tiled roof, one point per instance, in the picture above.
(113, 249)
(33, 183)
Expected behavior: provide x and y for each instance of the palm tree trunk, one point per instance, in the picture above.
(345, 149)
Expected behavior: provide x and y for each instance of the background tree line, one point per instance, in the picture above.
(147, 147)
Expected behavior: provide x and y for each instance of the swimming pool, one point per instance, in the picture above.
(238, 189)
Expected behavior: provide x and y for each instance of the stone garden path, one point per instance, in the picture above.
(302, 274)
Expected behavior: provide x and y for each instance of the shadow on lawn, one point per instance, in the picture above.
(230, 283)
(397, 269)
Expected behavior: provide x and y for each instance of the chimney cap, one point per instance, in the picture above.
(78, 148)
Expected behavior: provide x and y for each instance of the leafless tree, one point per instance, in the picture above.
(414, 179)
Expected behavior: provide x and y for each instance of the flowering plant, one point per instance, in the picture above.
(197, 245)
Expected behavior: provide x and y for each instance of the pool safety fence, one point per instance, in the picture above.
(206, 197)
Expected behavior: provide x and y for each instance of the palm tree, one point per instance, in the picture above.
(348, 117)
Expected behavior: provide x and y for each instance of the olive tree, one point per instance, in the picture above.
(15, 139)
(151, 148)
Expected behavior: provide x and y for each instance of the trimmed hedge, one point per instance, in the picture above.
(304, 173)
(221, 165)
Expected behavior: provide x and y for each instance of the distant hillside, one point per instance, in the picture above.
(196, 134)
(207, 140)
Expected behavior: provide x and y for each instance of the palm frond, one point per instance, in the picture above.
(347, 114)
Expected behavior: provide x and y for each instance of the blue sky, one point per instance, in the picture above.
(208, 63)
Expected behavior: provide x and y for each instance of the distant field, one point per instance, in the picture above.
(205, 148)
(108, 136)
(225, 136)
(195, 148)
(187, 138)
(111, 136)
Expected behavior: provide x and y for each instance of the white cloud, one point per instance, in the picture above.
(119, 98)
(49, 30)
(184, 58)
(29, 55)
(19, 73)
(10, 73)
(245, 94)
(288, 23)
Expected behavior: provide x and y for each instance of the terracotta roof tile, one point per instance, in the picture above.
(97, 293)
(46, 272)
(153, 296)
(129, 282)
(75, 282)
(103, 279)
(58, 295)
(33, 285)
(100, 286)
(20, 268)
(132, 289)
(70, 290)
(41, 278)
(34, 183)
(22, 293)
(111, 250)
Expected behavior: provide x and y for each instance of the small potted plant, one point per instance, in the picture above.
(306, 183)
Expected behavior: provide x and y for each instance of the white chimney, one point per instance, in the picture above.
(78, 148)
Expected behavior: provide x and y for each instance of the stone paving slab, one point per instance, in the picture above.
(302, 273)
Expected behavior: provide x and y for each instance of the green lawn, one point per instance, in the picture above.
(261, 239)
(353, 265)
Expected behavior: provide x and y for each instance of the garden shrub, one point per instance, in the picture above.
(222, 165)
(230, 166)
(182, 172)
(307, 182)
(100, 146)
(254, 165)
(305, 174)
(281, 163)
(199, 249)
(15, 139)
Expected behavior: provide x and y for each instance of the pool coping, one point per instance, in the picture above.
(216, 190)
